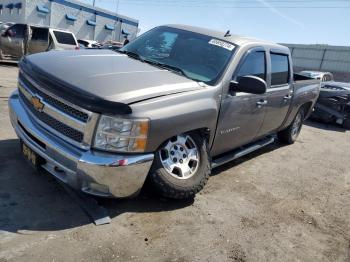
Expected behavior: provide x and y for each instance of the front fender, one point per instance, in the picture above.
(179, 113)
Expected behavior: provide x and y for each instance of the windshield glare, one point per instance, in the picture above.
(200, 57)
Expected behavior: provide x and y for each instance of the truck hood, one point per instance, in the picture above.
(106, 75)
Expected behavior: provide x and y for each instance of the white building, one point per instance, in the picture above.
(86, 21)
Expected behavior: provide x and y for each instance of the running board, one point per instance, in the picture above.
(242, 152)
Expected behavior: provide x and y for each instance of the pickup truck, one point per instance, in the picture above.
(167, 107)
(23, 39)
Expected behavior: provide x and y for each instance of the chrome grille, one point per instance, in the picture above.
(58, 116)
(53, 123)
(82, 116)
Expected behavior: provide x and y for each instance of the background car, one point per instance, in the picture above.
(88, 43)
(23, 39)
(323, 76)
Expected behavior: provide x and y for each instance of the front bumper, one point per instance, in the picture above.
(96, 173)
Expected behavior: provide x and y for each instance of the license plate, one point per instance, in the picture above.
(31, 156)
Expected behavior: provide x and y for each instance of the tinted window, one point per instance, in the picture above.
(40, 34)
(18, 31)
(64, 38)
(254, 64)
(279, 69)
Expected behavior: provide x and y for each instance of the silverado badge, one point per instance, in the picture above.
(36, 102)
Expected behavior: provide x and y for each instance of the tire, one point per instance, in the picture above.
(183, 180)
(291, 133)
(346, 124)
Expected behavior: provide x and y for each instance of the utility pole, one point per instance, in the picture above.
(116, 10)
(93, 3)
(116, 21)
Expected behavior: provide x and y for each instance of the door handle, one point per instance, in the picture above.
(261, 103)
(287, 98)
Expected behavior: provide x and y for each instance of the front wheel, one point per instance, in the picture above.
(291, 133)
(181, 166)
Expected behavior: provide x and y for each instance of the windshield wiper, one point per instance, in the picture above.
(170, 67)
(132, 54)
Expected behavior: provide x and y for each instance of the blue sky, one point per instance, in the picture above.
(300, 22)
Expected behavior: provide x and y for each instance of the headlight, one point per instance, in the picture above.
(121, 135)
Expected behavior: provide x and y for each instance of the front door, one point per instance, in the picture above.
(39, 40)
(241, 115)
(12, 42)
(279, 93)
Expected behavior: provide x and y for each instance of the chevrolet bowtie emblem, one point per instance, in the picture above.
(36, 102)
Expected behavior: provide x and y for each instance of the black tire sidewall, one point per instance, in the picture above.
(346, 124)
(285, 135)
(301, 113)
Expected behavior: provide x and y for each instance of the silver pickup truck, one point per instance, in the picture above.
(169, 106)
(24, 39)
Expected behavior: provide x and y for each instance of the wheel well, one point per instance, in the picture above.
(204, 132)
(306, 107)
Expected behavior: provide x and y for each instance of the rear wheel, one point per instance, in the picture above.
(346, 124)
(291, 133)
(181, 166)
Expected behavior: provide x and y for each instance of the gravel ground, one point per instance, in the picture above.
(282, 203)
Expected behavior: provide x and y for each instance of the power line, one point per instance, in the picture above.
(226, 2)
(242, 4)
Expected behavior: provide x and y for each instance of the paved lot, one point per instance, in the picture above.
(283, 203)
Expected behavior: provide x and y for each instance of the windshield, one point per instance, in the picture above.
(198, 57)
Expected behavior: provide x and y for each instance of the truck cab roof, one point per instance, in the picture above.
(232, 38)
(43, 26)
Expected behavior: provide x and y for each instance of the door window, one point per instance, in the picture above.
(254, 64)
(18, 31)
(40, 34)
(279, 69)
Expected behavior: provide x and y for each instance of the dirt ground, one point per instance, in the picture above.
(282, 203)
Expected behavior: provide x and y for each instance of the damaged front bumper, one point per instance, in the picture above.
(96, 173)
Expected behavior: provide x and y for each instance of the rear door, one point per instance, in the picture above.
(39, 40)
(12, 44)
(279, 93)
(241, 116)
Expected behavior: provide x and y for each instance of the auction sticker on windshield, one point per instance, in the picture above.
(222, 44)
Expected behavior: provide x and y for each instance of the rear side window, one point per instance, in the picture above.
(279, 69)
(64, 38)
(40, 34)
(254, 64)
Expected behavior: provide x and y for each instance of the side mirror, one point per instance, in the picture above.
(249, 84)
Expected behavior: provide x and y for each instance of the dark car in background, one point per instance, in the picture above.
(333, 104)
